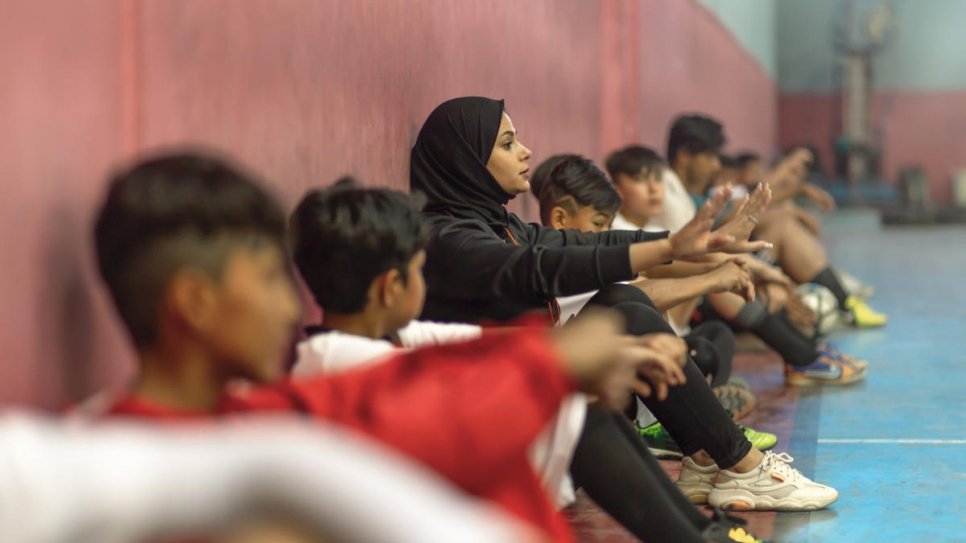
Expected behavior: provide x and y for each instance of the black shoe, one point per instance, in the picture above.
(725, 528)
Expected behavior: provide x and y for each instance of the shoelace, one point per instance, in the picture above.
(829, 349)
(779, 463)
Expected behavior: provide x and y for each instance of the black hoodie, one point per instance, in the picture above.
(482, 261)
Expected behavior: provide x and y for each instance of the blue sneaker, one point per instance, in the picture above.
(825, 370)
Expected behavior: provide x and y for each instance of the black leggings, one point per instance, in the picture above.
(691, 413)
(617, 471)
(714, 341)
(712, 347)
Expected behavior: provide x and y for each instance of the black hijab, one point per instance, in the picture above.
(448, 161)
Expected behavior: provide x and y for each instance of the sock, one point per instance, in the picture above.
(751, 314)
(829, 280)
(782, 316)
(791, 344)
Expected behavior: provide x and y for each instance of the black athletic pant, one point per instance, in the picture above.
(616, 470)
(712, 347)
(691, 413)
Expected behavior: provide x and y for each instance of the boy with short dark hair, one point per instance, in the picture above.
(368, 311)
(191, 250)
(573, 193)
(575, 179)
(750, 170)
(698, 474)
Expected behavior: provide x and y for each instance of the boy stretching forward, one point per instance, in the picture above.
(191, 250)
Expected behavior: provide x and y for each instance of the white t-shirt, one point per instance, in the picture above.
(550, 454)
(678, 206)
(623, 223)
(335, 351)
(656, 224)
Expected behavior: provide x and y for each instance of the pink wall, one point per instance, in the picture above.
(691, 63)
(924, 127)
(59, 68)
(814, 119)
(303, 91)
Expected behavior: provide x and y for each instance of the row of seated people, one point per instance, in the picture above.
(447, 334)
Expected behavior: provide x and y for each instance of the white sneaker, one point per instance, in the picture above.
(774, 485)
(696, 481)
(854, 286)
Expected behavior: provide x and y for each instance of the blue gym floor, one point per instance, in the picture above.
(895, 445)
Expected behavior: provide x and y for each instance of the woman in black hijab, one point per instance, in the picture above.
(484, 263)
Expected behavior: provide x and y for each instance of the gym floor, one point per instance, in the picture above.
(895, 445)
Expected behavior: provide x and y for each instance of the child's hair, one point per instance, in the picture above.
(346, 236)
(694, 134)
(572, 181)
(634, 160)
(171, 211)
(729, 161)
(745, 158)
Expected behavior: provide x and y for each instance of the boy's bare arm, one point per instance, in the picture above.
(786, 178)
(681, 268)
(761, 271)
(728, 276)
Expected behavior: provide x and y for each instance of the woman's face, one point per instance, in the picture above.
(508, 161)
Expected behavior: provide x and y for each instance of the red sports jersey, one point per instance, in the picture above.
(469, 411)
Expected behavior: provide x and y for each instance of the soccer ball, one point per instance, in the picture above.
(823, 303)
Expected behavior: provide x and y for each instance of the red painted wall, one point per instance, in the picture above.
(924, 127)
(303, 91)
(61, 128)
(810, 119)
(690, 62)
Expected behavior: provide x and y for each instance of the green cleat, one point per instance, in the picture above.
(759, 440)
(659, 442)
(662, 446)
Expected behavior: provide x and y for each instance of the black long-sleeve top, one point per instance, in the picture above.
(476, 271)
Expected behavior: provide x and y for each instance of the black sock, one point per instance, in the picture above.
(829, 280)
(782, 316)
(791, 344)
